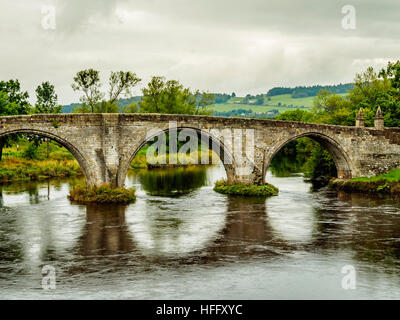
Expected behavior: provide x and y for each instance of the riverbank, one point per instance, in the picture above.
(243, 190)
(23, 161)
(19, 169)
(388, 183)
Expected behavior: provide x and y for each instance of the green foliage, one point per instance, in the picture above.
(31, 151)
(370, 90)
(319, 164)
(121, 82)
(296, 115)
(171, 97)
(55, 124)
(105, 194)
(12, 100)
(106, 107)
(246, 190)
(46, 99)
(88, 81)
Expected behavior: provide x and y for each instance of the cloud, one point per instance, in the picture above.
(220, 46)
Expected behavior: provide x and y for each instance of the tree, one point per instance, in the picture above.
(14, 95)
(46, 102)
(170, 96)
(88, 81)
(13, 101)
(46, 99)
(122, 82)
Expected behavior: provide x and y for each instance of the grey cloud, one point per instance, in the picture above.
(242, 46)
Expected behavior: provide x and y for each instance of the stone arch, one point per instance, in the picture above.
(225, 155)
(339, 155)
(65, 143)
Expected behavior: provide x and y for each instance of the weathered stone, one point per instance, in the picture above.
(105, 144)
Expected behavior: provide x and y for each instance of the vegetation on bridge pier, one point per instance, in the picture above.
(103, 194)
(265, 190)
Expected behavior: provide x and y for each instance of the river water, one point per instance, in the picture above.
(181, 240)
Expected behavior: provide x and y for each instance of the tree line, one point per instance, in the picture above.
(309, 91)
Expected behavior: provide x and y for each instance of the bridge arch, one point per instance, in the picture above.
(65, 143)
(340, 157)
(223, 151)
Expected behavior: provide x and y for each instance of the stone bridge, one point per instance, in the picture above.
(105, 144)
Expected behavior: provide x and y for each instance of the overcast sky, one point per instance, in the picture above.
(216, 45)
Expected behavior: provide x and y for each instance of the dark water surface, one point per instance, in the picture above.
(187, 242)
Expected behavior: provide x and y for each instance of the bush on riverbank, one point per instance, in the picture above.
(242, 190)
(388, 183)
(103, 194)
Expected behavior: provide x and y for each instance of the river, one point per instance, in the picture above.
(181, 240)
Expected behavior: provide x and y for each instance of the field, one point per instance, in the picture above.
(275, 102)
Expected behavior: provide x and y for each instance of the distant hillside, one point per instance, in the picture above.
(311, 91)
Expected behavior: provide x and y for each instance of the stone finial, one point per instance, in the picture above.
(360, 121)
(378, 121)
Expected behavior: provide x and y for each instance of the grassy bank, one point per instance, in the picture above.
(19, 169)
(21, 162)
(388, 183)
(105, 194)
(242, 190)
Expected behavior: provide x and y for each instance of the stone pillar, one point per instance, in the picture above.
(360, 121)
(378, 121)
(108, 154)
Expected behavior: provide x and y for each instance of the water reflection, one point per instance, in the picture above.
(172, 182)
(197, 235)
(105, 232)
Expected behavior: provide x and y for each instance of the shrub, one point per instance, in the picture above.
(30, 152)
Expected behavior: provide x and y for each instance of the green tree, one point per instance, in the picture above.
(296, 115)
(46, 99)
(88, 81)
(171, 97)
(13, 101)
(122, 82)
(46, 102)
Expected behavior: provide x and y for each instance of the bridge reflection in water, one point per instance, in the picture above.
(199, 229)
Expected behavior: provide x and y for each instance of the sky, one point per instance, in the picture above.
(213, 45)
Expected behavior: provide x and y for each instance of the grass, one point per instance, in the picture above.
(105, 194)
(60, 164)
(391, 176)
(388, 183)
(18, 169)
(243, 190)
(272, 104)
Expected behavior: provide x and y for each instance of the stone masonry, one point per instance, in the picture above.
(105, 144)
